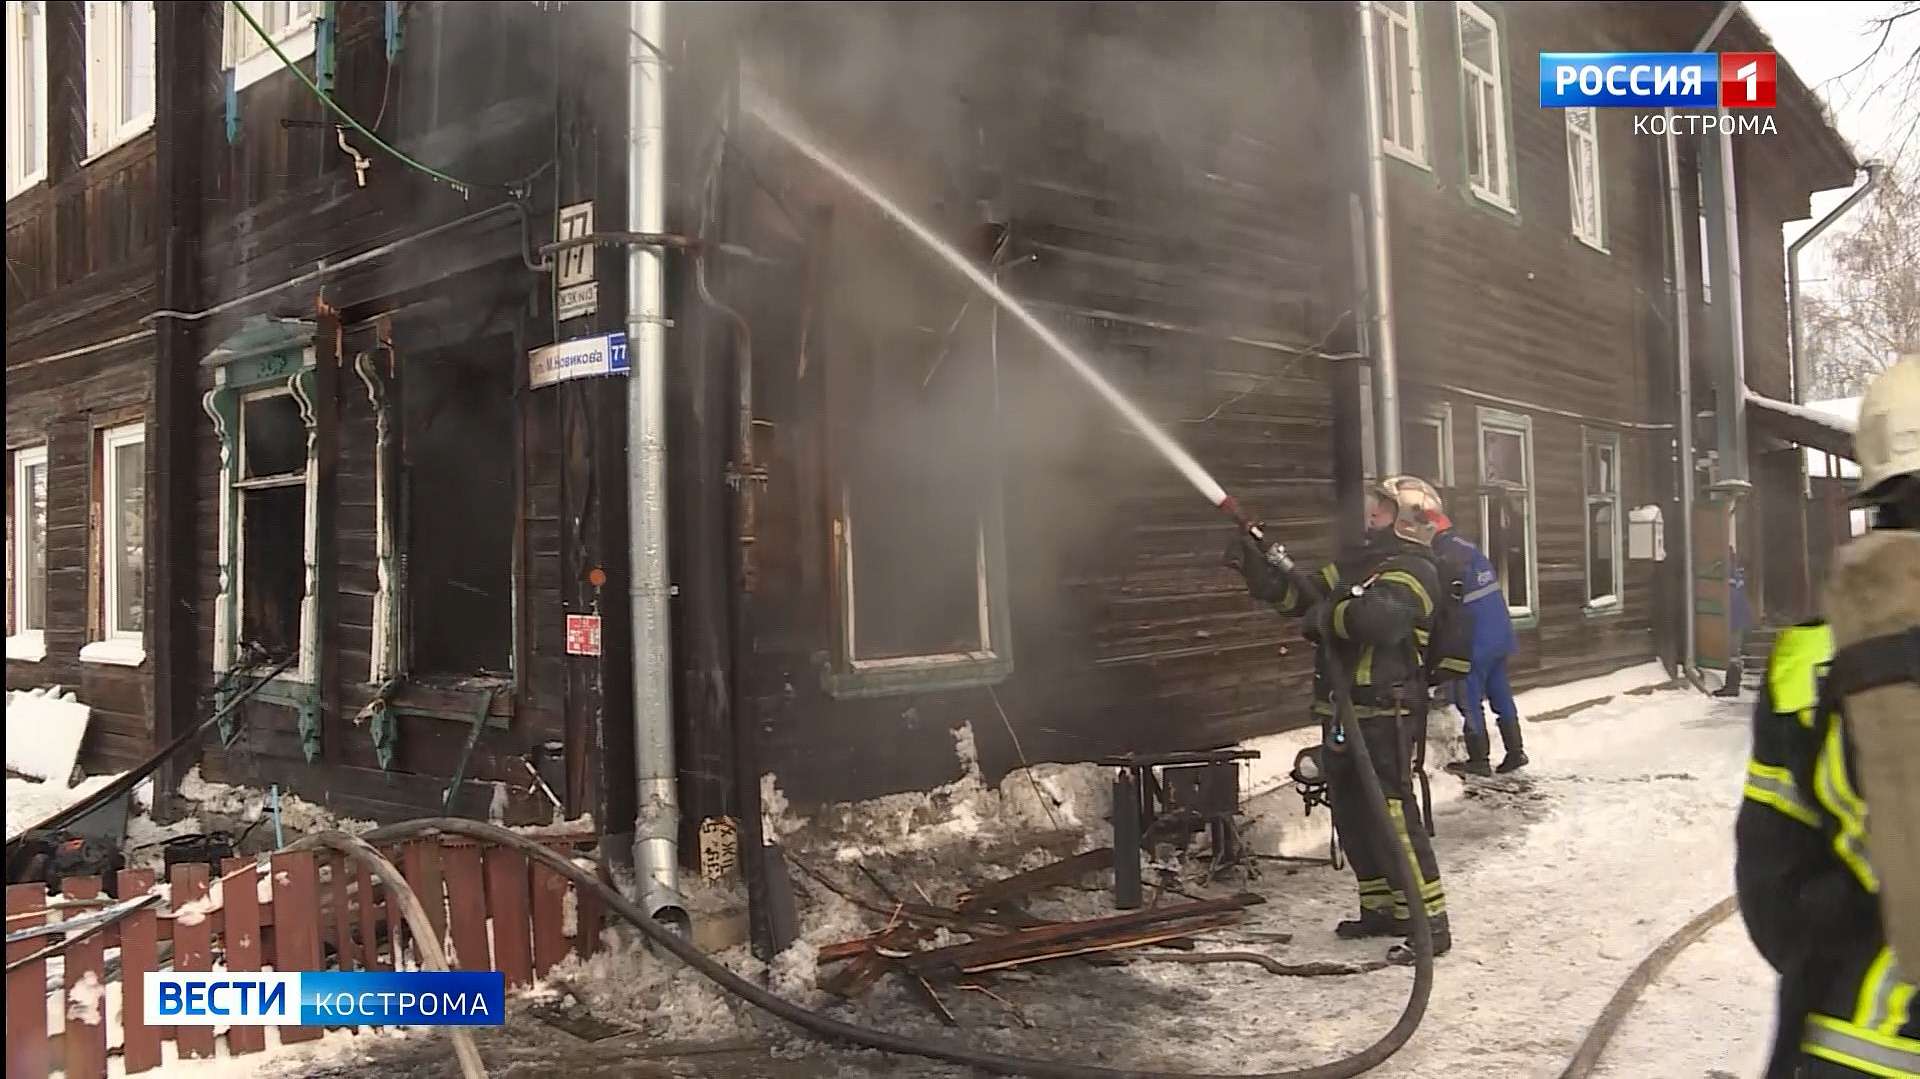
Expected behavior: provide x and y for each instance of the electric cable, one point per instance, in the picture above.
(464, 187)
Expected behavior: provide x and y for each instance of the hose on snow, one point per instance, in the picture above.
(1400, 871)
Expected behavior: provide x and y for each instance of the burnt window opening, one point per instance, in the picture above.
(917, 528)
(272, 506)
(458, 438)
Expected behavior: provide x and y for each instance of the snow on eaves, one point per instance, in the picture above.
(1831, 419)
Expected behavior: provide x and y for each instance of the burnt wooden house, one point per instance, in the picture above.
(312, 282)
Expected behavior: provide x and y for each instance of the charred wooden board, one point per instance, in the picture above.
(1097, 934)
(989, 896)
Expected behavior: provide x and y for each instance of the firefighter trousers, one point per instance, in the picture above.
(1390, 746)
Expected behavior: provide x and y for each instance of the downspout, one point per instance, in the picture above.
(1683, 358)
(1683, 376)
(656, 838)
(1386, 367)
(1802, 375)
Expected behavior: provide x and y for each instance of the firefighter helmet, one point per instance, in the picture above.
(1887, 441)
(1418, 513)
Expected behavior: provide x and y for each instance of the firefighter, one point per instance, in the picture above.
(1809, 887)
(1379, 601)
(1486, 683)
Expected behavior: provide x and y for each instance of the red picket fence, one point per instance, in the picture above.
(308, 912)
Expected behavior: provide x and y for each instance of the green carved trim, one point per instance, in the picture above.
(258, 337)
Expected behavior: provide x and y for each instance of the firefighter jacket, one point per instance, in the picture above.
(1382, 598)
(1482, 599)
(1807, 888)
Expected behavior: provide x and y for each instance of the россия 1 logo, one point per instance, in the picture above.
(1656, 80)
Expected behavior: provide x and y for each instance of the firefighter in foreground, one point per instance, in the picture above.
(1810, 872)
(1383, 601)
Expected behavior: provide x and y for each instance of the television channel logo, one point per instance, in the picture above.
(1658, 80)
(377, 998)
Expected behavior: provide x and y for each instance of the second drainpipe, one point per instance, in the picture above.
(1683, 355)
(656, 840)
(1801, 373)
(1386, 366)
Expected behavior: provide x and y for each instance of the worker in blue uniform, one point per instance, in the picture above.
(1486, 606)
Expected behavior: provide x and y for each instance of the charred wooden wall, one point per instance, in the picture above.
(473, 94)
(81, 262)
(1145, 170)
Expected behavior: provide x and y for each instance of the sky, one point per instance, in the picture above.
(1823, 42)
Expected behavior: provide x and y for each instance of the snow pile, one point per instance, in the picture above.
(1048, 798)
(29, 803)
(250, 804)
(44, 731)
(84, 1000)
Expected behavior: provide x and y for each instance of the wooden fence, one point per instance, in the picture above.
(303, 911)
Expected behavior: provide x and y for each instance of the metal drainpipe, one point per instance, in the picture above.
(1801, 374)
(1683, 354)
(1683, 374)
(1386, 366)
(656, 841)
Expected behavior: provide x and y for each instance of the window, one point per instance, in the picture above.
(458, 438)
(120, 64)
(1489, 160)
(1583, 176)
(123, 546)
(1426, 447)
(917, 551)
(290, 24)
(272, 504)
(1403, 122)
(26, 95)
(1506, 505)
(1605, 586)
(26, 639)
(1706, 248)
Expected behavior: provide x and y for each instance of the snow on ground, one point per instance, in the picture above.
(1559, 880)
(29, 803)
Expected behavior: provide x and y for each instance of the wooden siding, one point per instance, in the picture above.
(81, 260)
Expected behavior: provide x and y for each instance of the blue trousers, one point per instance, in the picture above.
(1487, 681)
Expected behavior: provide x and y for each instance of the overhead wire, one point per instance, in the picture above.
(464, 187)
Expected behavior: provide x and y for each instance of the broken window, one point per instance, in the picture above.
(26, 635)
(1603, 520)
(459, 440)
(1506, 505)
(272, 503)
(120, 520)
(917, 529)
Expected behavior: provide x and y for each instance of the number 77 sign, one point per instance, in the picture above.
(1747, 80)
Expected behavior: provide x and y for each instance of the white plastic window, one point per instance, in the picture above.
(120, 72)
(27, 636)
(26, 94)
(1483, 86)
(288, 22)
(1403, 122)
(1583, 177)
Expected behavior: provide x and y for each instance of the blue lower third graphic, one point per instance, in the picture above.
(376, 998)
(326, 998)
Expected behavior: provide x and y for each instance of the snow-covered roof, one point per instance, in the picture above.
(1847, 408)
(1828, 415)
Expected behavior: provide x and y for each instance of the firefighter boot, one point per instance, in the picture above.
(1476, 762)
(1371, 923)
(1516, 758)
(1402, 954)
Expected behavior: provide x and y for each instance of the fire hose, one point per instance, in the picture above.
(1400, 872)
